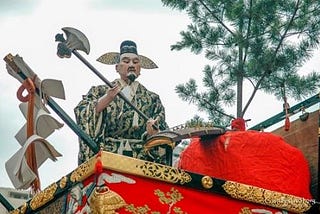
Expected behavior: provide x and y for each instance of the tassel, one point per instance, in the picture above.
(286, 108)
(238, 124)
(98, 166)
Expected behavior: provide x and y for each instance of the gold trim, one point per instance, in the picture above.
(43, 197)
(147, 169)
(83, 171)
(266, 197)
(159, 142)
(63, 182)
(207, 182)
(164, 173)
(132, 166)
(245, 210)
(21, 210)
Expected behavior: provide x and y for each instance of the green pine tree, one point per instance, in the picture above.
(260, 42)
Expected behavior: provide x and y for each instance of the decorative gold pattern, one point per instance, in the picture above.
(169, 198)
(81, 172)
(56, 207)
(63, 182)
(245, 210)
(139, 210)
(174, 196)
(16, 211)
(43, 197)
(21, 210)
(266, 197)
(165, 173)
(105, 201)
(207, 182)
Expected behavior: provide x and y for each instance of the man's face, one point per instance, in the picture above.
(129, 64)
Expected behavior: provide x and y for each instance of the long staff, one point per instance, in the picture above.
(75, 41)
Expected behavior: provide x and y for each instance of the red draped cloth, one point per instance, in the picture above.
(255, 158)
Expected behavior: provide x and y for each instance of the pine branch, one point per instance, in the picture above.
(267, 72)
(248, 31)
(216, 17)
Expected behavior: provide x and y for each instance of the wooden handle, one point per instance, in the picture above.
(9, 60)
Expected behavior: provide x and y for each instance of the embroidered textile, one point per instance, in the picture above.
(118, 128)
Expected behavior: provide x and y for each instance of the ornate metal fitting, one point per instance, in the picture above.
(207, 182)
(104, 200)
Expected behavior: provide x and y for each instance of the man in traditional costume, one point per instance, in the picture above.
(113, 124)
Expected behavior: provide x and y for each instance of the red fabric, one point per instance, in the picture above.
(256, 158)
(238, 124)
(98, 166)
(141, 194)
(83, 203)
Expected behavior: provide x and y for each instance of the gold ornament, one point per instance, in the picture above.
(207, 182)
(63, 182)
(105, 201)
(43, 197)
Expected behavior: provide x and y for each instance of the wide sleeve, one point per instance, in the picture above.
(86, 116)
(159, 112)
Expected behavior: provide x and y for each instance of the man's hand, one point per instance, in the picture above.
(107, 98)
(112, 92)
(150, 129)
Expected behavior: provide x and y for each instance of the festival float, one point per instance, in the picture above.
(221, 171)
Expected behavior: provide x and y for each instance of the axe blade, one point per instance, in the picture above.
(76, 40)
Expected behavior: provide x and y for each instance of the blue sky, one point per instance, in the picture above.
(28, 28)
